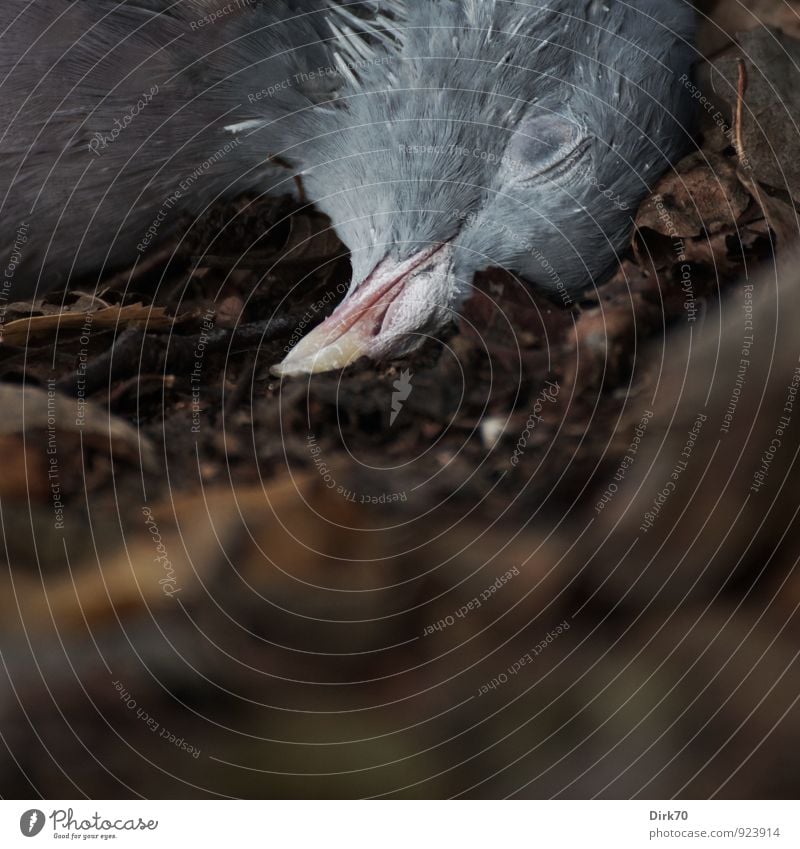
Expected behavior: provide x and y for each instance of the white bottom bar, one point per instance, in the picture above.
(400, 825)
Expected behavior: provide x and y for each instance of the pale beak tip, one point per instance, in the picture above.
(281, 370)
(346, 350)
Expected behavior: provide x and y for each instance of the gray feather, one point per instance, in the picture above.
(73, 73)
(502, 126)
(477, 83)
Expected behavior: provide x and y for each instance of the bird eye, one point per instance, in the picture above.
(547, 147)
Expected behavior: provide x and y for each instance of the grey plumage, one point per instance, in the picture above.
(106, 109)
(518, 82)
(490, 132)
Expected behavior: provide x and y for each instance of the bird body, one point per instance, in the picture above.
(441, 137)
(114, 122)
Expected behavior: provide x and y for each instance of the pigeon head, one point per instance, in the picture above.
(489, 134)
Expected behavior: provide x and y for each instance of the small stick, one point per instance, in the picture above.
(741, 89)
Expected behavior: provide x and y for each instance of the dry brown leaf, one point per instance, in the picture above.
(24, 330)
(703, 194)
(780, 216)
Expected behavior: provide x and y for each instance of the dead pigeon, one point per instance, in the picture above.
(442, 137)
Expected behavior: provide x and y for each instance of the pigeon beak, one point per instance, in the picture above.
(354, 328)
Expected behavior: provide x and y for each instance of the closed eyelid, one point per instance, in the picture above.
(547, 145)
(562, 162)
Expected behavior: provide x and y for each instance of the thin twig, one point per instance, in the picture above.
(738, 121)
